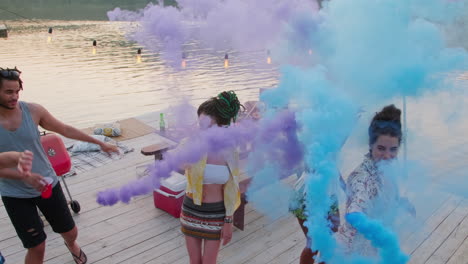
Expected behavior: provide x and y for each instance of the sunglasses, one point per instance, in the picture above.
(10, 74)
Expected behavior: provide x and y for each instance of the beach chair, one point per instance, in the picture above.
(60, 160)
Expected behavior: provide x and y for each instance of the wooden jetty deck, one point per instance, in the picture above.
(140, 233)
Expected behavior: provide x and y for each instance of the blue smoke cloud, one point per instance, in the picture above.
(365, 54)
(380, 237)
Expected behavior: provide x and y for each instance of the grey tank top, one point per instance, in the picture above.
(26, 137)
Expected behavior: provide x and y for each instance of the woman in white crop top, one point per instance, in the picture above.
(210, 200)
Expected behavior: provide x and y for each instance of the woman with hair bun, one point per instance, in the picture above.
(212, 193)
(366, 184)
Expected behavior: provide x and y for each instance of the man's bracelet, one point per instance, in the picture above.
(227, 220)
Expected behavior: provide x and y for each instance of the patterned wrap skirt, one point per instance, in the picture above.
(203, 221)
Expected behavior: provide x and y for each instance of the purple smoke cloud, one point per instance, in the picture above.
(222, 25)
(279, 132)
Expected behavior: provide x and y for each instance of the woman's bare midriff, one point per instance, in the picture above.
(212, 193)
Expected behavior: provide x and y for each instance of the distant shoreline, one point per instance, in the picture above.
(67, 9)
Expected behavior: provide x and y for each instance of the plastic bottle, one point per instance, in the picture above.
(162, 123)
(47, 192)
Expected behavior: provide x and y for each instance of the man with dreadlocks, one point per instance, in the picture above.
(212, 194)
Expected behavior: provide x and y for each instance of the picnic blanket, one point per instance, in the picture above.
(131, 128)
(85, 161)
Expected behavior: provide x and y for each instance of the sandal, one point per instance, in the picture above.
(82, 258)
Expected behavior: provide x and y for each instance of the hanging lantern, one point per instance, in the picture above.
(49, 38)
(139, 55)
(226, 61)
(184, 62)
(94, 47)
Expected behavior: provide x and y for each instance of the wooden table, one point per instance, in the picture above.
(156, 149)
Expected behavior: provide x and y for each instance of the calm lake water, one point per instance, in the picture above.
(82, 88)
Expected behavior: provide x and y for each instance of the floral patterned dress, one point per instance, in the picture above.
(365, 188)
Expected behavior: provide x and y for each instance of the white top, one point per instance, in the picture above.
(216, 174)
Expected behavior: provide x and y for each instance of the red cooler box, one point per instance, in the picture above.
(170, 195)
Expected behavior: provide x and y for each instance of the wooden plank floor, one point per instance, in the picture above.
(139, 233)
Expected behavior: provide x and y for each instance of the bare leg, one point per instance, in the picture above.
(35, 255)
(307, 256)
(210, 251)
(70, 240)
(194, 248)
